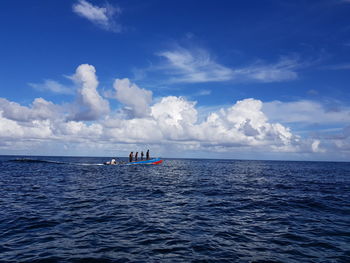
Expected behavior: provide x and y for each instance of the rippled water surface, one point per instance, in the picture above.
(179, 211)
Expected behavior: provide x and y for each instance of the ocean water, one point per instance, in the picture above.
(74, 210)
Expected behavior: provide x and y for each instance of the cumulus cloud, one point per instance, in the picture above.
(175, 118)
(11, 130)
(39, 110)
(90, 105)
(170, 122)
(136, 99)
(196, 66)
(104, 17)
(316, 146)
(244, 124)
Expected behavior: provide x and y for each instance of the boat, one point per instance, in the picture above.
(148, 162)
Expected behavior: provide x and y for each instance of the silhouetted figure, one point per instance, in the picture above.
(136, 156)
(147, 155)
(141, 155)
(131, 156)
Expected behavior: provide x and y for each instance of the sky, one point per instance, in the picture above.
(265, 80)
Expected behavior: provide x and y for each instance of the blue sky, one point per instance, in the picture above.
(232, 79)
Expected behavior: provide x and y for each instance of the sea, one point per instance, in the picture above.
(74, 209)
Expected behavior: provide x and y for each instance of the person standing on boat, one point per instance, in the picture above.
(147, 155)
(141, 155)
(136, 156)
(131, 156)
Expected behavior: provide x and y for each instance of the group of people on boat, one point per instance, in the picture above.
(132, 158)
(135, 158)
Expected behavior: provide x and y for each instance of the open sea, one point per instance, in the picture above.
(71, 209)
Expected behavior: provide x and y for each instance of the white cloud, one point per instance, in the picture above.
(39, 110)
(197, 66)
(137, 100)
(175, 117)
(90, 105)
(204, 92)
(79, 131)
(244, 124)
(52, 86)
(170, 123)
(172, 120)
(283, 70)
(11, 130)
(100, 16)
(316, 146)
(306, 111)
(335, 140)
(194, 67)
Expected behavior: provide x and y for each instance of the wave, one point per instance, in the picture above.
(29, 160)
(86, 164)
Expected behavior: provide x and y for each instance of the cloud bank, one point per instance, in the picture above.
(169, 122)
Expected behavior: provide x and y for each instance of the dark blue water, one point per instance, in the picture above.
(179, 211)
